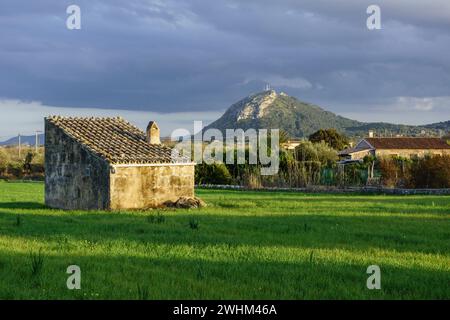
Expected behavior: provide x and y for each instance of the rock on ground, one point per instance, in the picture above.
(186, 202)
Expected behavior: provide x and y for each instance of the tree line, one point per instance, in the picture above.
(26, 164)
(314, 162)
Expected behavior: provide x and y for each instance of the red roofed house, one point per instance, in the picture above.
(404, 147)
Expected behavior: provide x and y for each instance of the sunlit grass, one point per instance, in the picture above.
(244, 245)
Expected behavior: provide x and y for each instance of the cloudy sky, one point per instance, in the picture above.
(180, 60)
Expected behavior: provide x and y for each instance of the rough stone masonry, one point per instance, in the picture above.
(107, 163)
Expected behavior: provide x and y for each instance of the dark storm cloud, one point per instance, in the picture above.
(187, 55)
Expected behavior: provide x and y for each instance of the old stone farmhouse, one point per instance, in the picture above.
(403, 147)
(107, 163)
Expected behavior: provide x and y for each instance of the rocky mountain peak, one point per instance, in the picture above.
(256, 106)
(272, 110)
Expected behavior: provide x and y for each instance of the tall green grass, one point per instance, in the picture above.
(244, 245)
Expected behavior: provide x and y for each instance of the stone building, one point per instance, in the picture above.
(403, 147)
(107, 163)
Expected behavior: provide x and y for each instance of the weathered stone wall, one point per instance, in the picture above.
(74, 178)
(360, 154)
(136, 187)
(408, 153)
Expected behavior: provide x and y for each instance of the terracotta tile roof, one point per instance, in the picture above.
(407, 143)
(115, 140)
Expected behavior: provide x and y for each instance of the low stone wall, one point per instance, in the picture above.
(326, 189)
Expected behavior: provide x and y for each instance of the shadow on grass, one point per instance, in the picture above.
(118, 277)
(22, 205)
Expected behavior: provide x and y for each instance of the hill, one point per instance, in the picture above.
(268, 109)
(445, 126)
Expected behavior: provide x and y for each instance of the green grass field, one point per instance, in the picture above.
(245, 245)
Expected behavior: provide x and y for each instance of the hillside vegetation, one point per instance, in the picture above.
(270, 109)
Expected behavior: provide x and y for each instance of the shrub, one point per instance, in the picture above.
(327, 156)
(15, 169)
(30, 163)
(389, 172)
(4, 159)
(38, 158)
(27, 162)
(331, 137)
(37, 168)
(251, 179)
(306, 151)
(316, 152)
(311, 160)
(356, 174)
(427, 172)
(431, 172)
(216, 173)
(286, 160)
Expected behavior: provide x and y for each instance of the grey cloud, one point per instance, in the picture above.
(194, 55)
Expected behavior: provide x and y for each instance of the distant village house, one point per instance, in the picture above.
(403, 147)
(107, 163)
(291, 144)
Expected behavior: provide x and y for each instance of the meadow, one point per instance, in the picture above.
(244, 245)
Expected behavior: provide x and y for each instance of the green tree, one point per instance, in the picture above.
(318, 152)
(331, 137)
(27, 163)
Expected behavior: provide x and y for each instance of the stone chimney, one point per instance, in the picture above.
(370, 133)
(153, 133)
